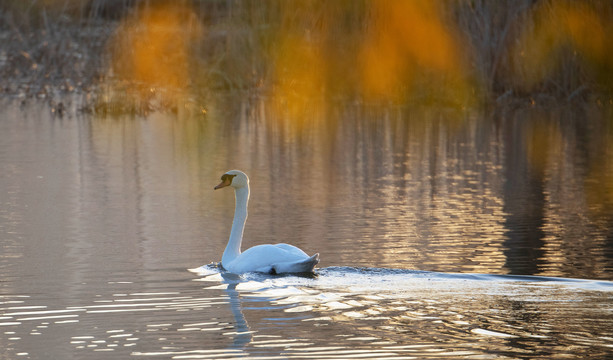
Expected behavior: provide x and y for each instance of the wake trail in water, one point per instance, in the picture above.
(402, 279)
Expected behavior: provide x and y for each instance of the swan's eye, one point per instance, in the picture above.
(227, 177)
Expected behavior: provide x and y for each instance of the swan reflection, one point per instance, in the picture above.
(270, 292)
(243, 334)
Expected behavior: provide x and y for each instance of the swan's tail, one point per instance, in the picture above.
(311, 262)
(303, 266)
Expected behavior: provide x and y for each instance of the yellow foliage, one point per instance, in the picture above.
(401, 49)
(152, 47)
(300, 70)
(405, 38)
(543, 143)
(561, 25)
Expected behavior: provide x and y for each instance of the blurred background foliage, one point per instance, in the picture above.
(457, 53)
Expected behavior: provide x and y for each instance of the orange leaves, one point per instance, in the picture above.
(562, 29)
(386, 51)
(406, 37)
(152, 47)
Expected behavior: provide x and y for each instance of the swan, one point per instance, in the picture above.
(271, 259)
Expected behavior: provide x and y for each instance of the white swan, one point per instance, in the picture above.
(271, 259)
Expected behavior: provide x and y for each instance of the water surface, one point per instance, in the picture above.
(441, 233)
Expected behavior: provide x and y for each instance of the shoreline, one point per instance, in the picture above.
(239, 51)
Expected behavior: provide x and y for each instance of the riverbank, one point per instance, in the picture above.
(62, 58)
(122, 58)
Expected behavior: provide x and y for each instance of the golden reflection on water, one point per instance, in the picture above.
(399, 188)
(456, 202)
(492, 193)
(101, 269)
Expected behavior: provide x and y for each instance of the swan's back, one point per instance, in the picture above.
(273, 259)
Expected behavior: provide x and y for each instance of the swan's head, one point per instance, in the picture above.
(235, 178)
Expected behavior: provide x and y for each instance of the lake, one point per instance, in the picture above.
(442, 233)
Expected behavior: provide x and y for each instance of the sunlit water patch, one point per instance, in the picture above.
(341, 312)
(378, 313)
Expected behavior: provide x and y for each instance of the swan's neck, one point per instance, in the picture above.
(233, 249)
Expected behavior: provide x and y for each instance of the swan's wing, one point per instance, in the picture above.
(263, 257)
(291, 249)
(271, 254)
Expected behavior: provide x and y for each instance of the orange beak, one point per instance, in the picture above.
(223, 184)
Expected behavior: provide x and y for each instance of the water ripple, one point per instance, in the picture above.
(342, 312)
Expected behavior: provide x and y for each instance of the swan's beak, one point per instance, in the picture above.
(226, 180)
(222, 184)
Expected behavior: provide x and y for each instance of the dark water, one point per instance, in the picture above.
(442, 234)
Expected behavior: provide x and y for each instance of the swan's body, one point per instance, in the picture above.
(272, 259)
